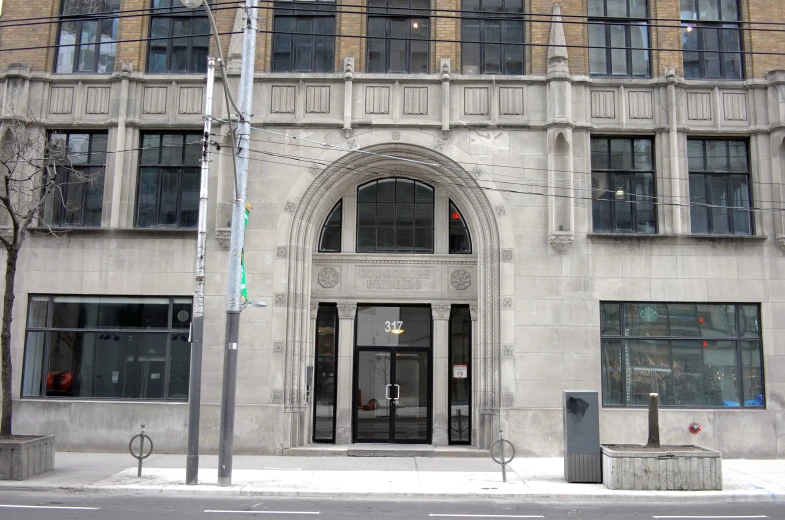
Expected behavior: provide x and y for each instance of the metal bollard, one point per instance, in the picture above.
(503, 448)
(140, 456)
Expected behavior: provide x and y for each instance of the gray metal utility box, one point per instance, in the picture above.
(582, 456)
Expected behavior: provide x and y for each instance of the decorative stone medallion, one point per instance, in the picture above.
(313, 170)
(328, 277)
(278, 347)
(281, 252)
(508, 399)
(438, 144)
(508, 350)
(276, 397)
(289, 207)
(396, 135)
(781, 241)
(507, 255)
(461, 279)
(352, 143)
(280, 299)
(477, 171)
(501, 210)
(507, 303)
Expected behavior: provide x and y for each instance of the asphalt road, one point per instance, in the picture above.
(86, 506)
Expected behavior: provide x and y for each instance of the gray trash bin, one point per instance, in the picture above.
(582, 457)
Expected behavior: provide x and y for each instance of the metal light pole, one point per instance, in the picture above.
(233, 304)
(197, 323)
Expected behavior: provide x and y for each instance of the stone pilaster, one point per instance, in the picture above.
(345, 380)
(441, 377)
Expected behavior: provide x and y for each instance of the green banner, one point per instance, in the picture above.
(243, 288)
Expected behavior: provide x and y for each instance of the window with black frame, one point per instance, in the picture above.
(110, 347)
(460, 389)
(623, 185)
(304, 36)
(460, 240)
(395, 215)
(180, 38)
(719, 187)
(85, 42)
(325, 373)
(492, 37)
(169, 180)
(78, 162)
(398, 32)
(711, 39)
(619, 38)
(697, 355)
(330, 237)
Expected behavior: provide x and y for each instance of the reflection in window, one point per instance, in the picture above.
(107, 347)
(460, 381)
(388, 326)
(619, 38)
(492, 37)
(623, 193)
(691, 354)
(330, 239)
(169, 180)
(460, 242)
(78, 163)
(395, 215)
(711, 39)
(719, 187)
(304, 36)
(398, 32)
(87, 34)
(175, 51)
(325, 372)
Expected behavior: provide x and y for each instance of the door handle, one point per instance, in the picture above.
(387, 392)
(397, 392)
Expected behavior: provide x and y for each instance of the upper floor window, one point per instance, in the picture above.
(622, 179)
(169, 180)
(492, 37)
(719, 187)
(304, 36)
(77, 161)
(184, 38)
(692, 354)
(88, 30)
(398, 32)
(395, 215)
(330, 238)
(618, 38)
(711, 27)
(460, 241)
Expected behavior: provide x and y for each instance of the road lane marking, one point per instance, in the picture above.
(713, 517)
(67, 508)
(261, 512)
(446, 515)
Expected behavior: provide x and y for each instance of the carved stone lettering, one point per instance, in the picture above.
(394, 278)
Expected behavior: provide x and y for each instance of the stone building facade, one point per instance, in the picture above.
(448, 233)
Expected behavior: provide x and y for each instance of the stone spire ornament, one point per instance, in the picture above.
(557, 50)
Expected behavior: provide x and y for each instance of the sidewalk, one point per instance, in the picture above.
(380, 477)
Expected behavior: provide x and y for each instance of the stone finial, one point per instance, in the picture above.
(557, 44)
(348, 67)
(445, 69)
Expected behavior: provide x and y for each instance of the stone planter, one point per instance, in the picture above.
(686, 468)
(23, 456)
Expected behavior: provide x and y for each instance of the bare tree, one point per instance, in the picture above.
(35, 173)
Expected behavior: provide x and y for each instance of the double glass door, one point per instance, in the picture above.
(392, 378)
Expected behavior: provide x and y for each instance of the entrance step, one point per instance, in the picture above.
(386, 450)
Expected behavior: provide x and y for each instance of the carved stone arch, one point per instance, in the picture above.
(483, 208)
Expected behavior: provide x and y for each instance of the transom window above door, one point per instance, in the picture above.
(395, 215)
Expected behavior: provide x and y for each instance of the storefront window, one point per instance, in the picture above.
(691, 354)
(107, 347)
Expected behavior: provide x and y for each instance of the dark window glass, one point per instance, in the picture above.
(618, 38)
(107, 347)
(180, 38)
(623, 187)
(168, 193)
(719, 201)
(395, 215)
(304, 36)
(325, 372)
(330, 239)
(712, 46)
(492, 40)
(88, 30)
(459, 372)
(382, 326)
(78, 162)
(460, 242)
(398, 32)
(691, 354)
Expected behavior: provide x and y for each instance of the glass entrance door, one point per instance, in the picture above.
(392, 376)
(393, 395)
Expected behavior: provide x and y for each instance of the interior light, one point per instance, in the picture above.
(396, 331)
(456, 216)
(619, 194)
(689, 28)
(415, 25)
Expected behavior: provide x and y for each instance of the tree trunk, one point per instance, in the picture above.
(654, 421)
(5, 338)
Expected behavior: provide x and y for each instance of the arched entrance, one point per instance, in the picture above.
(356, 283)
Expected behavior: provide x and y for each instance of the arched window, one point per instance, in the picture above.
(330, 239)
(460, 241)
(395, 215)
